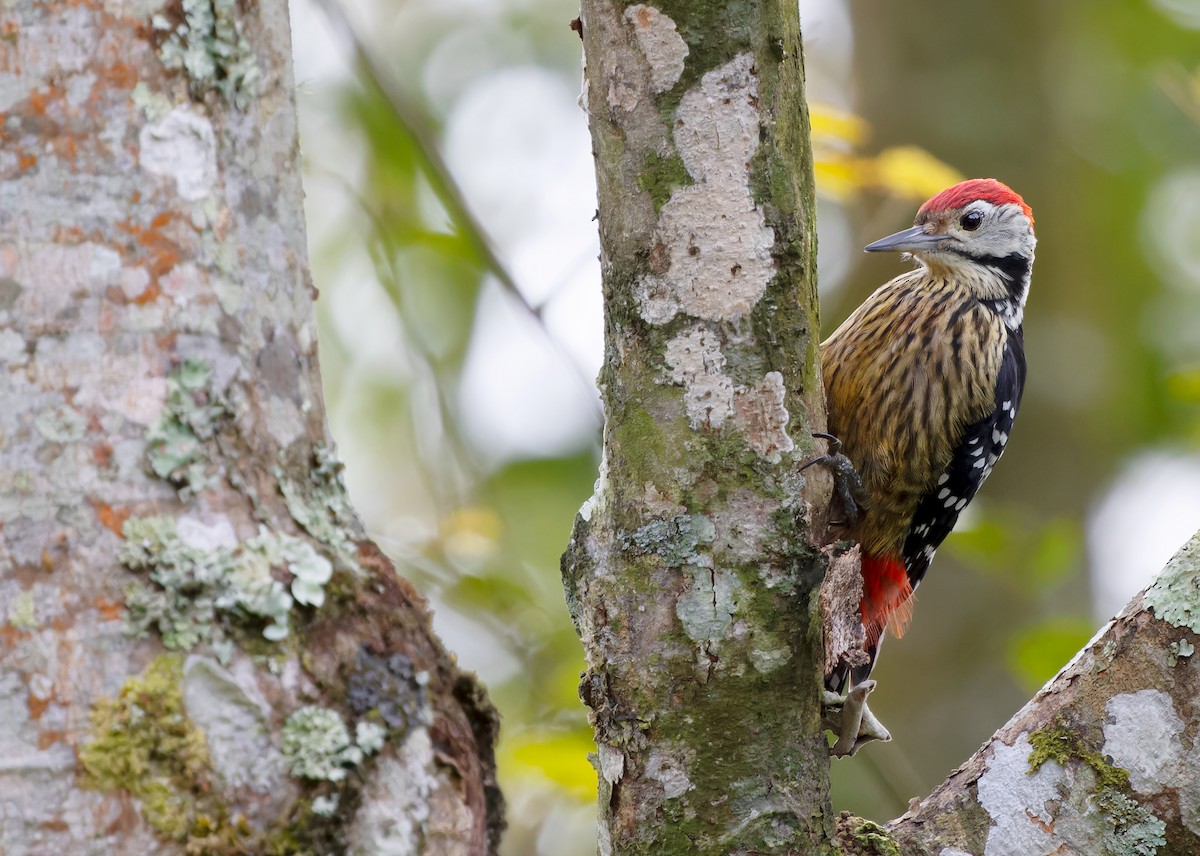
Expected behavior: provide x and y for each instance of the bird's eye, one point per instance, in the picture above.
(971, 220)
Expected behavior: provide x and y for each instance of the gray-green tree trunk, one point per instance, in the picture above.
(202, 653)
(690, 573)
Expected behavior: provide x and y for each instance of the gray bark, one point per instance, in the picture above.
(202, 651)
(690, 573)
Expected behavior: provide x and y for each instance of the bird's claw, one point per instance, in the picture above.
(846, 481)
(851, 720)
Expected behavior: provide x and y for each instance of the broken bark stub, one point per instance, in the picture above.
(841, 595)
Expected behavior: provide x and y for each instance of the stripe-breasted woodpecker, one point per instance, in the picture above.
(923, 382)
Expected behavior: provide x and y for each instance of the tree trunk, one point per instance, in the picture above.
(1104, 759)
(690, 574)
(202, 652)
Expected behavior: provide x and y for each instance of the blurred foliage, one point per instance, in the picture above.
(1037, 653)
(906, 172)
(1089, 109)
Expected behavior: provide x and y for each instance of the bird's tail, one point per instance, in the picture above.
(887, 596)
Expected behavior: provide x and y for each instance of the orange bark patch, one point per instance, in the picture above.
(37, 706)
(66, 148)
(46, 739)
(110, 610)
(161, 252)
(118, 76)
(102, 454)
(150, 295)
(111, 518)
(40, 99)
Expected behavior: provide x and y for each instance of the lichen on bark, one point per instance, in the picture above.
(1101, 760)
(690, 574)
(165, 467)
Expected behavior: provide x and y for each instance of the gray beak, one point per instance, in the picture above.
(909, 241)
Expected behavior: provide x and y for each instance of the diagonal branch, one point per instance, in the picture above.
(1104, 759)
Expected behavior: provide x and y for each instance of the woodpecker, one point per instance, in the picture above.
(923, 382)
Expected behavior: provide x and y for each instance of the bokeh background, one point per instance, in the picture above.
(453, 245)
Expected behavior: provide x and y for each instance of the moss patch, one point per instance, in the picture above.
(876, 839)
(144, 743)
(661, 175)
(1135, 831)
(1057, 742)
(857, 837)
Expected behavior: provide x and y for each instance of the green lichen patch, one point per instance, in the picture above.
(63, 424)
(197, 595)
(1059, 743)
(319, 503)
(22, 614)
(317, 744)
(706, 608)
(143, 742)
(1175, 595)
(1181, 649)
(661, 175)
(205, 40)
(1136, 831)
(175, 444)
(677, 539)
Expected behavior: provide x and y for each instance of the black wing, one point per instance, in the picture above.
(981, 446)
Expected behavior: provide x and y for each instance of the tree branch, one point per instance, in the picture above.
(1104, 759)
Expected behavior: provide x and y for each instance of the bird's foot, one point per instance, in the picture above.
(846, 482)
(851, 720)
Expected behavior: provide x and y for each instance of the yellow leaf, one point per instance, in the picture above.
(836, 178)
(832, 124)
(912, 173)
(560, 757)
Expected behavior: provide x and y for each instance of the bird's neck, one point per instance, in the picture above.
(999, 283)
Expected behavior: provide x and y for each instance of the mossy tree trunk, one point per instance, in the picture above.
(690, 573)
(201, 650)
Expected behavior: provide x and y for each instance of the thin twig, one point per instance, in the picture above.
(409, 118)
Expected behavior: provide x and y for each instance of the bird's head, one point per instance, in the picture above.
(975, 226)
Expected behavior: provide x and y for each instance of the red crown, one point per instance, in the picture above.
(966, 192)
